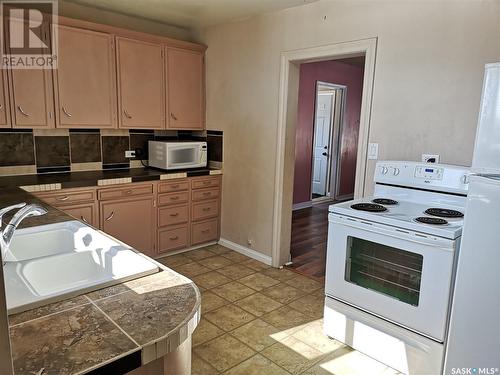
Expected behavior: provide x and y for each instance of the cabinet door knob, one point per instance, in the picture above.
(22, 111)
(110, 216)
(66, 112)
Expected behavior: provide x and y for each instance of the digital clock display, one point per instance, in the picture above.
(430, 170)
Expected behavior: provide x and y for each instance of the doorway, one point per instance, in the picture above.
(329, 114)
(291, 62)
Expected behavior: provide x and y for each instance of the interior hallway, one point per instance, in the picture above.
(308, 246)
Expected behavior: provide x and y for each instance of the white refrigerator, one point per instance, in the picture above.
(474, 332)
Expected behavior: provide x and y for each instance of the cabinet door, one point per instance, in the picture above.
(85, 79)
(4, 110)
(186, 99)
(140, 84)
(85, 212)
(31, 94)
(131, 221)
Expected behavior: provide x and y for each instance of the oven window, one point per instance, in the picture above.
(384, 269)
(182, 155)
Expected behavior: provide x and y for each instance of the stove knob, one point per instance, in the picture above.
(396, 171)
(385, 170)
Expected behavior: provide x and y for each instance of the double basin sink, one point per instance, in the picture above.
(53, 262)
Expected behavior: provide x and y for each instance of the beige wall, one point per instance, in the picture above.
(427, 86)
(82, 12)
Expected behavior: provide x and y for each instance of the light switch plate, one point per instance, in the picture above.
(373, 151)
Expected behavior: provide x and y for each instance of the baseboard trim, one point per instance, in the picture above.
(180, 251)
(301, 205)
(246, 251)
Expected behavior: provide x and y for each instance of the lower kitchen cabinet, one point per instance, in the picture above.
(155, 218)
(131, 220)
(87, 212)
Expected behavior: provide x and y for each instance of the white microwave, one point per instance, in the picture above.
(177, 155)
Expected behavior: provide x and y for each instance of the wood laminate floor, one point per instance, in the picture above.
(308, 246)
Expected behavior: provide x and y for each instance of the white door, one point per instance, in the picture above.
(321, 152)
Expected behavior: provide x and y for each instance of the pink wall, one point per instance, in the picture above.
(332, 72)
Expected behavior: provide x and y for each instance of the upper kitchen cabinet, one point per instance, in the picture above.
(85, 86)
(185, 89)
(31, 93)
(4, 110)
(141, 89)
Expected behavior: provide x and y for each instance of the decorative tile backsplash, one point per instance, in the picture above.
(62, 150)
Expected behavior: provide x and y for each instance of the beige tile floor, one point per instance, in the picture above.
(261, 320)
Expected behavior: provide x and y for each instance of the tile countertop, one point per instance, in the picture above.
(111, 330)
(100, 177)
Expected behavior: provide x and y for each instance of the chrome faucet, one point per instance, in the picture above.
(24, 211)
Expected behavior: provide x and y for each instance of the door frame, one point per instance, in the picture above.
(287, 120)
(334, 142)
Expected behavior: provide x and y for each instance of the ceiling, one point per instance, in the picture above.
(191, 13)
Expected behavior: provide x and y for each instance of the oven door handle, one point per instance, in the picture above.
(407, 235)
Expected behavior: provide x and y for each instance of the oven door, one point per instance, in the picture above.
(184, 155)
(401, 276)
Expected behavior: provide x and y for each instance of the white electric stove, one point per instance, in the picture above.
(391, 263)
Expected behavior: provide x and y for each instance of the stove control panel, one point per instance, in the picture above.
(429, 173)
(434, 177)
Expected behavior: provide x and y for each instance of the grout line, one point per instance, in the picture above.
(116, 324)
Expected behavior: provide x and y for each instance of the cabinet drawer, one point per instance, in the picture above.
(66, 197)
(173, 198)
(172, 239)
(169, 187)
(204, 231)
(173, 215)
(200, 195)
(205, 183)
(127, 191)
(205, 210)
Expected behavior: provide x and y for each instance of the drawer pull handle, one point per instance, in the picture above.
(128, 192)
(174, 215)
(207, 183)
(110, 216)
(127, 115)
(205, 231)
(175, 186)
(207, 194)
(174, 238)
(173, 116)
(84, 220)
(65, 198)
(206, 209)
(174, 198)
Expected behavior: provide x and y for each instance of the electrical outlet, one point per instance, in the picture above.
(430, 158)
(249, 242)
(373, 151)
(130, 154)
